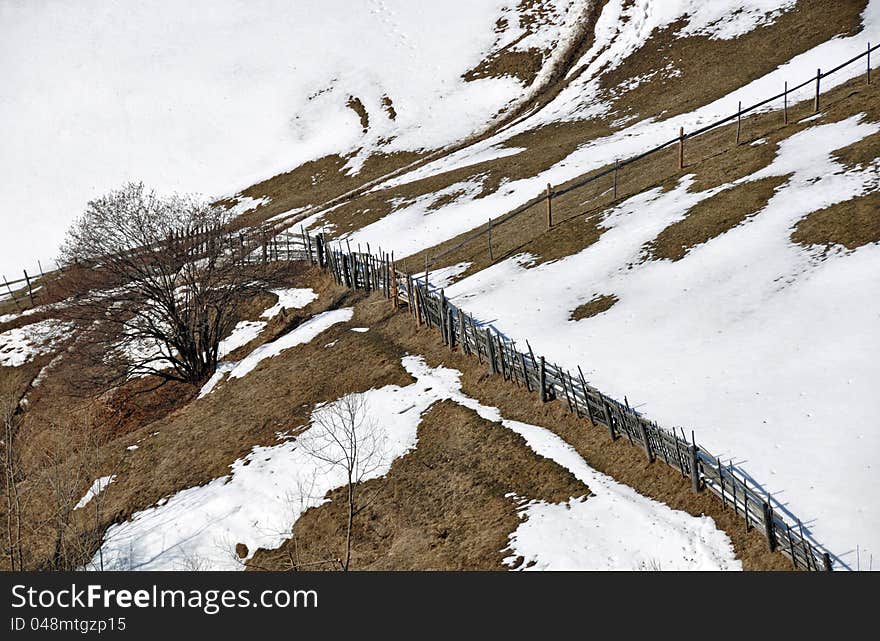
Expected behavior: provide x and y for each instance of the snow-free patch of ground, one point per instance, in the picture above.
(303, 333)
(266, 492)
(97, 487)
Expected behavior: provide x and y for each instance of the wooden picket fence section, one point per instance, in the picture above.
(458, 330)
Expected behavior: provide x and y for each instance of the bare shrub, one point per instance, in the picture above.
(154, 284)
(346, 439)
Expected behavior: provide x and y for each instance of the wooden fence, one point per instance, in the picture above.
(535, 374)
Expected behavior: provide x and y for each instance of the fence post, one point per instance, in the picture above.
(645, 440)
(442, 313)
(30, 291)
(543, 376)
(490, 353)
(616, 167)
(462, 331)
(608, 418)
(739, 109)
(818, 78)
(549, 206)
(695, 470)
(586, 396)
(680, 148)
(491, 257)
(791, 547)
(768, 526)
(826, 559)
(785, 104)
(868, 74)
(11, 294)
(393, 284)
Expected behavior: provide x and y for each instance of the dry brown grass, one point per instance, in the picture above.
(443, 506)
(852, 224)
(593, 307)
(710, 69)
(181, 442)
(618, 459)
(354, 103)
(714, 216)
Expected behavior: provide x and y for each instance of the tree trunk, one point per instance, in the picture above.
(350, 522)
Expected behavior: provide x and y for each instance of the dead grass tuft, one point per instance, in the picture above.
(593, 307)
(853, 223)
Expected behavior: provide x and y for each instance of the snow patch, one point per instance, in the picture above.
(97, 487)
(293, 298)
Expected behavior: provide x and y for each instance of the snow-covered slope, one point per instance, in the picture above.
(210, 97)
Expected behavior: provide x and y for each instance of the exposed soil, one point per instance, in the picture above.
(354, 103)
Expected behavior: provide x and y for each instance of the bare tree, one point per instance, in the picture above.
(157, 284)
(346, 439)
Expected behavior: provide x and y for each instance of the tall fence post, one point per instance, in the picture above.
(543, 383)
(616, 167)
(680, 148)
(768, 526)
(785, 104)
(739, 110)
(609, 419)
(30, 291)
(491, 257)
(549, 206)
(490, 353)
(816, 102)
(868, 73)
(645, 440)
(695, 469)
